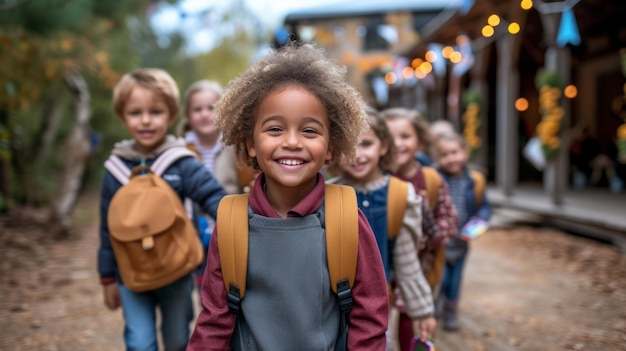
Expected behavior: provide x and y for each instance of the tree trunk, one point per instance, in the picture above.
(36, 159)
(52, 116)
(77, 149)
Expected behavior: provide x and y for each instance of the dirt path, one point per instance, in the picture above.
(541, 290)
(525, 289)
(50, 298)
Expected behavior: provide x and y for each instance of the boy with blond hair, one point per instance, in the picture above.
(146, 102)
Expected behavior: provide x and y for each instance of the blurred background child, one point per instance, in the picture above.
(203, 137)
(424, 154)
(201, 134)
(452, 155)
(410, 132)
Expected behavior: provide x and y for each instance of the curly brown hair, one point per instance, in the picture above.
(419, 124)
(304, 65)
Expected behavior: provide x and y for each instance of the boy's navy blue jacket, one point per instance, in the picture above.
(187, 176)
(484, 211)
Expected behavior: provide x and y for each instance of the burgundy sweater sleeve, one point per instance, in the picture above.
(447, 216)
(369, 316)
(215, 325)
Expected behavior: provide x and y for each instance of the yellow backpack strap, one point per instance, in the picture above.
(342, 233)
(192, 147)
(435, 275)
(396, 205)
(232, 242)
(479, 187)
(341, 214)
(433, 183)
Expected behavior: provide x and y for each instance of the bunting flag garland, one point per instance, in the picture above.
(466, 5)
(281, 35)
(568, 30)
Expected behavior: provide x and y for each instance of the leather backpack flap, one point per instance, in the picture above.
(153, 239)
(140, 209)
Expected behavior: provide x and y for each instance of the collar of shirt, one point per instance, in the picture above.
(417, 180)
(308, 205)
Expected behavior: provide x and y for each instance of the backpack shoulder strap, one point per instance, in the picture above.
(396, 205)
(342, 234)
(118, 169)
(433, 183)
(232, 242)
(192, 147)
(479, 187)
(341, 214)
(169, 156)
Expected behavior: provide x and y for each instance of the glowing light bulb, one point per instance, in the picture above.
(408, 72)
(570, 91)
(431, 56)
(456, 57)
(514, 28)
(487, 31)
(493, 20)
(521, 104)
(419, 74)
(426, 67)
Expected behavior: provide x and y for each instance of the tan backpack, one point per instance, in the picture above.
(433, 184)
(396, 205)
(154, 241)
(342, 239)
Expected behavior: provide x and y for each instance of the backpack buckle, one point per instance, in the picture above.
(345, 295)
(234, 301)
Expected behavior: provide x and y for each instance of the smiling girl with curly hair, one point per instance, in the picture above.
(288, 116)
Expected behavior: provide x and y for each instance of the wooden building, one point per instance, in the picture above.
(390, 41)
(504, 73)
(368, 36)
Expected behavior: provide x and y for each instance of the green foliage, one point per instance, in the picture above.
(548, 78)
(471, 96)
(47, 16)
(549, 152)
(41, 40)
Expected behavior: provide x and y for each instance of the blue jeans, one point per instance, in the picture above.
(452, 278)
(139, 310)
